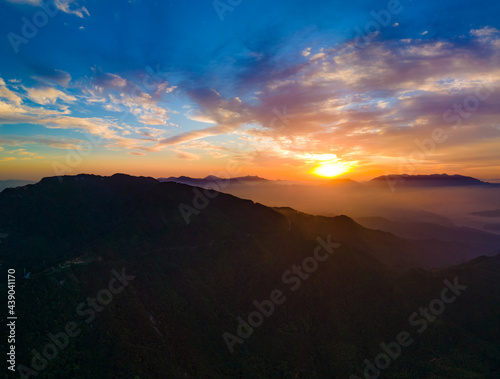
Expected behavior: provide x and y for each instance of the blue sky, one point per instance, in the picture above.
(181, 88)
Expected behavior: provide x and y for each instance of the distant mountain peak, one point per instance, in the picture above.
(431, 180)
(200, 182)
(209, 177)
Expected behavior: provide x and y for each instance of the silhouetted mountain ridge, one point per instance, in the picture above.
(192, 282)
(12, 183)
(433, 180)
(212, 179)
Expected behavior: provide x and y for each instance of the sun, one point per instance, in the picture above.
(330, 169)
(327, 165)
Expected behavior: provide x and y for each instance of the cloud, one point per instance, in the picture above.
(48, 95)
(25, 155)
(53, 119)
(363, 105)
(215, 109)
(30, 2)
(306, 52)
(58, 77)
(8, 95)
(22, 152)
(57, 143)
(144, 107)
(66, 6)
(186, 155)
(71, 7)
(360, 104)
(484, 32)
(124, 95)
(148, 131)
(196, 134)
(110, 81)
(114, 134)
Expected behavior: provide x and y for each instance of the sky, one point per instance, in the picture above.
(294, 90)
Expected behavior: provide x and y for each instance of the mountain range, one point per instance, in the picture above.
(191, 285)
(434, 180)
(212, 179)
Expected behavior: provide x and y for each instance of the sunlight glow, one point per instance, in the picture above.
(327, 165)
(330, 169)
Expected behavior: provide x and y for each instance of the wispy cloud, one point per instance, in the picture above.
(7, 94)
(186, 155)
(361, 102)
(196, 134)
(361, 105)
(486, 31)
(58, 77)
(71, 7)
(30, 2)
(57, 143)
(66, 6)
(118, 94)
(48, 95)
